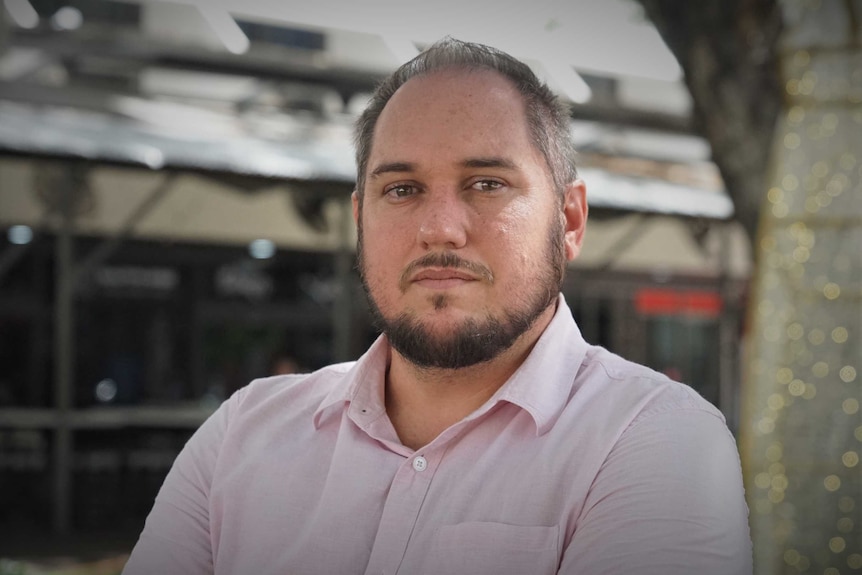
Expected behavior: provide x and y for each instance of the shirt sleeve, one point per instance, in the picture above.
(176, 535)
(668, 500)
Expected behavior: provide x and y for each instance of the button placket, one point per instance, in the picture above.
(400, 513)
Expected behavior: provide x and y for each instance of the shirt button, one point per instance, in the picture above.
(420, 463)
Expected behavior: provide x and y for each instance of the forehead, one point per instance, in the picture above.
(451, 108)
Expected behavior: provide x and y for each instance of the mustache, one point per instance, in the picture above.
(445, 260)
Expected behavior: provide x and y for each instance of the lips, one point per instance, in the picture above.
(443, 271)
(438, 279)
(442, 275)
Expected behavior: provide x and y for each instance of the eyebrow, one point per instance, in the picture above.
(393, 167)
(493, 162)
(404, 167)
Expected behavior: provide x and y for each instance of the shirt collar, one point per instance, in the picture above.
(544, 383)
(541, 386)
(362, 386)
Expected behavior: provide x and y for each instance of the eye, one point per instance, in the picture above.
(486, 185)
(400, 191)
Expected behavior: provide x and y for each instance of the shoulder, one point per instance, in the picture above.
(638, 391)
(293, 384)
(622, 411)
(287, 394)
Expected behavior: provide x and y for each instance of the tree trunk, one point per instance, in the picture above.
(726, 49)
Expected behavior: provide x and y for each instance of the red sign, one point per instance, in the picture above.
(655, 301)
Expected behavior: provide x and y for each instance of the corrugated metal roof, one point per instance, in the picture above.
(304, 150)
(155, 135)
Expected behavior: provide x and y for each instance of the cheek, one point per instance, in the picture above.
(508, 225)
(382, 254)
(517, 237)
(508, 253)
(386, 229)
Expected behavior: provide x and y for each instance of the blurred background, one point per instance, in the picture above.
(175, 182)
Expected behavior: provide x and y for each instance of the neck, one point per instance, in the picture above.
(423, 402)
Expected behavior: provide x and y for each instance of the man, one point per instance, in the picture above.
(480, 434)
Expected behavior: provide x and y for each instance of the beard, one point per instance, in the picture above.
(473, 341)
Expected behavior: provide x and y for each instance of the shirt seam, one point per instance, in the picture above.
(663, 409)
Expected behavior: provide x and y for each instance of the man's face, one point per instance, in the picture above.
(463, 239)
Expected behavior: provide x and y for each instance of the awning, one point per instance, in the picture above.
(156, 134)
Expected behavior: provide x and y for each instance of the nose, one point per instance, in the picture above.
(443, 222)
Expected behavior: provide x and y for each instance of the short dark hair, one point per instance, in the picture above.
(547, 115)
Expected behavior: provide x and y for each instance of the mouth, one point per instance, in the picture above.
(444, 271)
(442, 278)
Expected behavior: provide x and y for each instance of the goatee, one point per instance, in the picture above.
(473, 341)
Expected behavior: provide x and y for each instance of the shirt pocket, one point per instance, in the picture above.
(485, 548)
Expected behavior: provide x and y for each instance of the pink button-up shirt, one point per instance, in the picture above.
(582, 463)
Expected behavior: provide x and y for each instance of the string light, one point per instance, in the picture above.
(803, 434)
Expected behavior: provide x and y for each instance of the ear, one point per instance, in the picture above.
(354, 197)
(575, 212)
